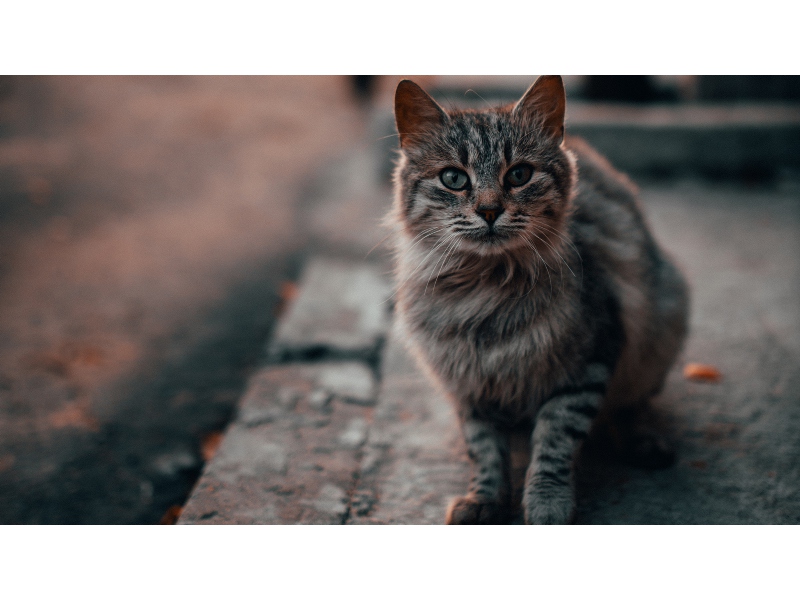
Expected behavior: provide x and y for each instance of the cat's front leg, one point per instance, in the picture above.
(487, 500)
(562, 424)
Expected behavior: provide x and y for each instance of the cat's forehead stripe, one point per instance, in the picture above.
(481, 140)
(463, 154)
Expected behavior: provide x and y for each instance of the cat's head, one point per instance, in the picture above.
(496, 181)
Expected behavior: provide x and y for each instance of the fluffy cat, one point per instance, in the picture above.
(531, 291)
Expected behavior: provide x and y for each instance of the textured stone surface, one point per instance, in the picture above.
(351, 381)
(341, 310)
(415, 460)
(284, 459)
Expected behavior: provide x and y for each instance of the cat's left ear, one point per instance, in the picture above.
(415, 112)
(545, 101)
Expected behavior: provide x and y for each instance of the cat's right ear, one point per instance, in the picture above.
(416, 113)
(545, 102)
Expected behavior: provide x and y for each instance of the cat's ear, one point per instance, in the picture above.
(415, 112)
(545, 101)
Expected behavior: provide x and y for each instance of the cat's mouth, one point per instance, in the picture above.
(491, 232)
(490, 238)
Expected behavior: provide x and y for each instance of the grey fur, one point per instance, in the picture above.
(570, 308)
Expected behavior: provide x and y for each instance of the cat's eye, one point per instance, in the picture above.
(455, 179)
(519, 175)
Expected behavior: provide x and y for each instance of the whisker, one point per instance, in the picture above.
(547, 266)
(563, 237)
(479, 96)
(386, 137)
(566, 264)
(448, 240)
(427, 232)
(436, 246)
(449, 250)
(378, 244)
(421, 263)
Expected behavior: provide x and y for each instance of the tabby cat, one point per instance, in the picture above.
(531, 291)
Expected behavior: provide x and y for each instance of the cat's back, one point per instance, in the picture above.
(599, 184)
(609, 224)
(607, 216)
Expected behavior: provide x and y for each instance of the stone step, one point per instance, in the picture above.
(292, 454)
(340, 312)
(748, 140)
(414, 458)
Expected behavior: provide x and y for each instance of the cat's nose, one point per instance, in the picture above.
(489, 214)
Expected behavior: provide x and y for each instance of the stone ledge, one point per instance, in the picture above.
(415, 459)
(341, 312)
(286, 457)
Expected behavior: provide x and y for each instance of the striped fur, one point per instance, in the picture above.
(562, 308)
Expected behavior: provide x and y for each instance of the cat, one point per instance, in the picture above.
(531, 291)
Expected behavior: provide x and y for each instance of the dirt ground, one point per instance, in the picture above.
(145, 227)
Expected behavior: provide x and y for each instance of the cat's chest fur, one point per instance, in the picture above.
(496, 347)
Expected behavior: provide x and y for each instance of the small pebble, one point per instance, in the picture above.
(320, 399)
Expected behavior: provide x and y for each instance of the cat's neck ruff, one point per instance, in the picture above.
(522, 273)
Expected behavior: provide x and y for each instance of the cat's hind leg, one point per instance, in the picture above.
(562, 424)
(642, 369)
(636, 432)
(487, 500)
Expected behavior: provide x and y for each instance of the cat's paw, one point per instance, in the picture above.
(475, 510)
(550, 510)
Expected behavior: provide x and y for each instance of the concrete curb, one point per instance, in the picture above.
(293, 452)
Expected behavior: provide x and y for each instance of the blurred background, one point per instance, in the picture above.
(150, 228)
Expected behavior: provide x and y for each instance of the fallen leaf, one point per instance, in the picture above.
(210, 444)
(171, 516)
(698, 464)
(701, 372)
(289, 291)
